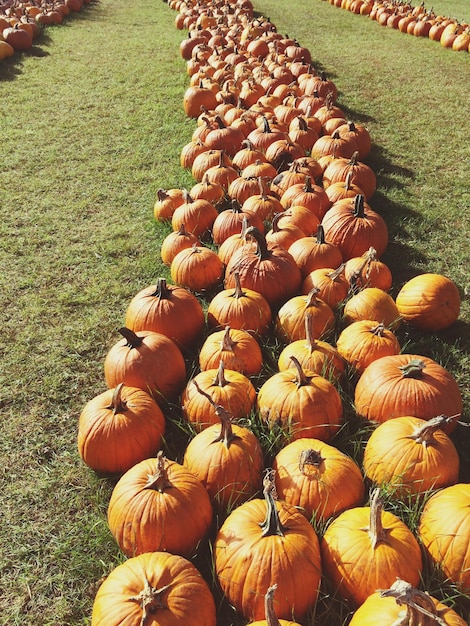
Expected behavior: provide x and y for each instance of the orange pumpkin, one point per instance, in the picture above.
(364, 341)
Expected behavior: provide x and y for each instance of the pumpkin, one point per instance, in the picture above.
(405, 605)
(167, 309)
(227, 459)
(411, 456)
(360, 174)
(301, 403)
(236, 348)
(444, 531)
(314, 252)
(367, 548)
(197, 216)
(372, 303)
(264, 205)
(230, 222)
(198, 268)
(153, 588)
(118, 428)
(290, 319)
(317, 478)
(270, 270)
(368, 271)
(331, 283)
(166, 203)
(283, 235)
(196, 98)
(313, 354)
(240, 308)
(407, 384)
(364, 341)
(159, 505)
(300, 216)
(429, 302)
(232, 390)
(147, 360)
(354, 227)
(265, 542)
(224, 138)
(308, 195)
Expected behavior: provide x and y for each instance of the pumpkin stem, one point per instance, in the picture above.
(413, 369)
(159, 481)
(227, 343)
(377, 533)
(161, 290)
(133, 340)
(420, 609)
(271, 617)
(320, 234)
(226, 432)
(262, 249)
(272, 524)
(359, 205)
(310, 457)
(311, 343)
(150, 600)
(378, 330)
(425, 434)
(302, 378)
(336, 273)
(220, 380)
(117, 404)
(238, 293)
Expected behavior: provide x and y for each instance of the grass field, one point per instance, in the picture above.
(92, 126)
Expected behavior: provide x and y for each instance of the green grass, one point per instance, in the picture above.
(92, 126)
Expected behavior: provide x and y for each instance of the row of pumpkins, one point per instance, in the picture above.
(21, 22)
(262, 239)
(413, 20)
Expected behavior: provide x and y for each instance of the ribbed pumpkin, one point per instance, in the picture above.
(308, 195)
(317, 478)
(405, 605)
(444, 531)
(314, 252)
(411, 456)
(146, 360)
(118, 428)
(290, 320)
(313, 354)
(367, 548)
(429, 302)
(407, 384)
(232, 390)
(196, 215)
(300, 403)
(240, 308)
(368, 271)
(364, 341)
(176, 241)
(153, 588)
(354, 227)
(238, 350)
(372, 303)
(227, 459)
(197, 268)
(331, 283)
(270, 270)
(265, 542)
(168, 309)
(360, 174)
(159, 505)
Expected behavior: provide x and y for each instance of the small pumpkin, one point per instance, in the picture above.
(264, 542)
(407, 384)
(364, 341)
(159, 505)
(118, 428)
(367, 548)
(152, 588)
(238, 350)
(317, 478)
(198, 268)
(290, 319)
(429, 302)
(372, 303)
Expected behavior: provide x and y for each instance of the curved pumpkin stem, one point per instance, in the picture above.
(302, 378)
(262, 250)
(133, 340)
(312, 299)
(220, 380)
(420, 609)
(271, 617)
(150, 600)
(309, 334)
(272, 524)
(310, 457)
(161, 290)
(159, 481)
(336, 273)
(117, 404)
(413, 369)
(227, 343)
(226, 432)
(238, 292)
(378, 330)
(425, 434)
(376, 531)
